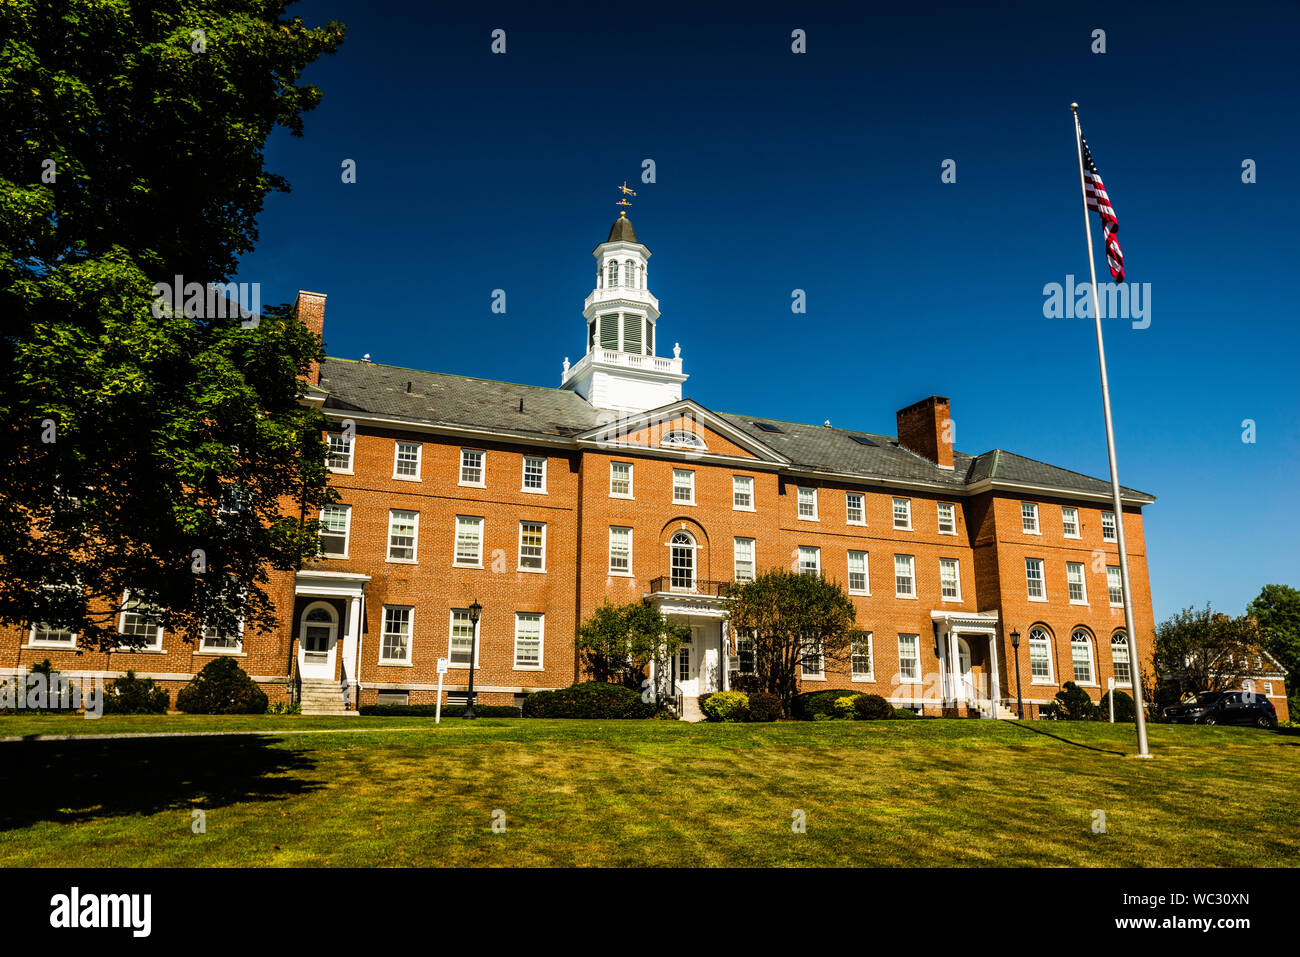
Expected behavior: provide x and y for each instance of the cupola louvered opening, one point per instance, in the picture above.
(632, 334)
(649, 338)
(609, 330)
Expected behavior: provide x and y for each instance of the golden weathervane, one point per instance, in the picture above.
(623, 202)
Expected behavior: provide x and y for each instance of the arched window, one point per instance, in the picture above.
(1040, 655)
(1119, 659)
(612, 281)
(681, 562)
(682, 439)
(1081, 655)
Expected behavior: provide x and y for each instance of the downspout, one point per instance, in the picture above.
(361, 631)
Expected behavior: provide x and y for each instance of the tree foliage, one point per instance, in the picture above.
(161, 450)
(1276, 610)
(1204, 650)
(618, 642)
(796, 620)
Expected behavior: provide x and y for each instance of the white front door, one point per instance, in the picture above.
(318, 636)
(687, 663)
(965, 684)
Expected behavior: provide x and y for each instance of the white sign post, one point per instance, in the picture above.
(437, 711)
(1110, 684)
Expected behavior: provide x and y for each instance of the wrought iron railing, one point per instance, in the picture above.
(667, 584)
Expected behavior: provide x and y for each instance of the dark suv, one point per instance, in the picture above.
(1225, 707)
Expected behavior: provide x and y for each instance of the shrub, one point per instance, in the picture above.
(1074, 704)
(431, 710)
(905, 713)
(843, 706)
(590, 699)
(222, 687)
(763, 706)
(872, 707)
(722, 705)
(52, 695)
(1125, 709)
(285, 707)
(132, 695)
(816, 705)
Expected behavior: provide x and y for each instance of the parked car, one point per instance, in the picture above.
(1224, 707)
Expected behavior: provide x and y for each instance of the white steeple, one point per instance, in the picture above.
(620, 370)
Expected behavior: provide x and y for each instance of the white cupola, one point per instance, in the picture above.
(620, 370)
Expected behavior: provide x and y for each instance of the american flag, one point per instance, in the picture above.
(1095, 190)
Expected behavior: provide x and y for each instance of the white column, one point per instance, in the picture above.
(996, 690)
(953, 670)
(351, 639)
(726, 655)
(943, 665)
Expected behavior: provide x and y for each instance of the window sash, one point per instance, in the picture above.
(535, 473)
(338, 454)
(683, 486)
(807, 502)
(472, 462)
(1114, 585)
(1070, 522)
(1040, 656)
(469, 540)
(902, 513)
(904, 575)
(859, 580)
(528, 639)
(620, 479)
(532, 545)
(949, 578)
(403, 530)
(854, 508)
(861, 665)
(1120, 659)
(461, 639)
(620, 550)
(947, 518)
(1029, 517)
(744, 559)
(810, 560)
(406, 460)
(1076, 582)
(742, 492)
(398, 629)
(1081, 656)
(1034, 577)
(1108, 526)
(909, 657)
(334, 523)
(44, 634)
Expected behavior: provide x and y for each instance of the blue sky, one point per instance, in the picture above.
(821, 171)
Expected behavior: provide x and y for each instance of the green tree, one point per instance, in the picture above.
(1277, 612)
(798, 621)
(1204, 650)
(152, 446)
(618, 643)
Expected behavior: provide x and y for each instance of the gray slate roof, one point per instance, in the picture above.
(439, 399)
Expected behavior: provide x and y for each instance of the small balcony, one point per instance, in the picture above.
(674, 585)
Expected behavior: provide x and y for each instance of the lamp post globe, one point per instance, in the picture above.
(475, 612)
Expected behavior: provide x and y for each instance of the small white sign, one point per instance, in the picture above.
(442, 666)
(1110, 683)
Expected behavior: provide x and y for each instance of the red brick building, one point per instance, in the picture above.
(541, 503)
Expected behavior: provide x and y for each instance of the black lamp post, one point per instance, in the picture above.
(475, 612)
(1015, 645)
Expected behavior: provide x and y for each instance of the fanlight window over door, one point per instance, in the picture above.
(681, 560)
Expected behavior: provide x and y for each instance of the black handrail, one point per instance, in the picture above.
(663, 584)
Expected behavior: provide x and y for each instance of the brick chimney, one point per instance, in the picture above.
(926, 429)
(311, 313)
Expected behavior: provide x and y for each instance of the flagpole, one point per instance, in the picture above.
(1136, 662)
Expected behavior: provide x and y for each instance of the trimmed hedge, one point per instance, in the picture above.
(222, 687)
(819, 705)
(132, 695)
(590, 699)
(872, 707)
(1125, 709)
(763, 706)
(905, 713)
(723, 705)
(429, 711)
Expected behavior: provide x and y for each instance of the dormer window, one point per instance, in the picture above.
(682, 439)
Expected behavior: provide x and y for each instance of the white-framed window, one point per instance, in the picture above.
(810, 560)
(681, 561)
(1108, 526)
(904, 576)
(683, 439)
(1029, 518)
(338, 455)
(744, 559)
(469, 541)
(620, 550)
(813, 662)
(528, 640)
(395, 640)
(335, 525)
(1034, 583)
(1081, 656)
(903, 513)
(403, 534)
(684, 657)
(473, 467)
(1114, 586)
(807, 503)
(684, 486)
(909, 657)
(1268, 689)
(532, 546)
(855, 509)
(859, 573)
(1078, 585)
(44, 635)
(949, 579)
(534, 473)
(461, 640)
(947, 518)
(862, 662)
(1040, 656)
(1069, 521)
(406, 460)
(620, 479)
(214, 639)
(745, 651)
(1119, 658)
(742, 493)
(139, 620)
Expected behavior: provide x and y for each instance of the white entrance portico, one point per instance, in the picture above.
(319, 629)
(962, 637)
(700, 665)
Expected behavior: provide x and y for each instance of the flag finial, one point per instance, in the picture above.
(1074, 106)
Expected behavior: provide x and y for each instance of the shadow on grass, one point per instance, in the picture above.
(1077, 744)
(71, 781)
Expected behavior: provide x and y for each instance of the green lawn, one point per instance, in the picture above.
(629, 793)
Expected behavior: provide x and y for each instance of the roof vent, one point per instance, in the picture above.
(366, 357)
(408, 387)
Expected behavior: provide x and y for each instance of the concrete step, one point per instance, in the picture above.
(691, 710)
